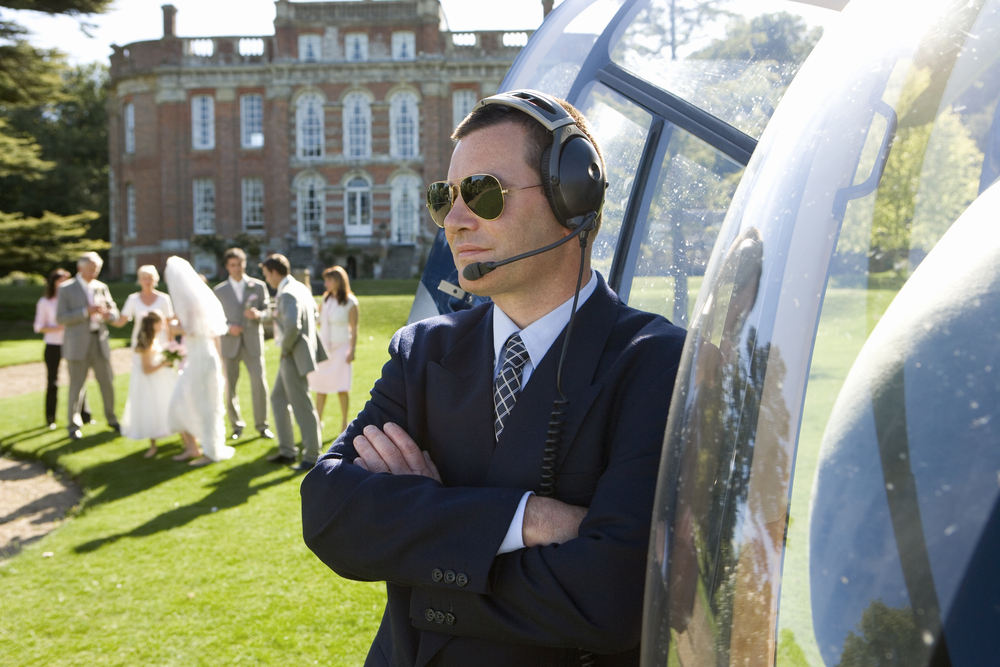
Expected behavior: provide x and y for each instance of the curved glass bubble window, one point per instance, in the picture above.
(734, 60)
(829, 489)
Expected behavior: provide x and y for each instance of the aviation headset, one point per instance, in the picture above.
(572, 174)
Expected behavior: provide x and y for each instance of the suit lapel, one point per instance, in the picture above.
(459, 395)
(519, 451)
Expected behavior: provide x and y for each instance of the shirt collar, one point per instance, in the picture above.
(241, 281)
(540, 334)
(284, 282)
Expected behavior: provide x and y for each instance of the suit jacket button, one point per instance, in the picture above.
(449, 577)
(429, 614)
(462, 579)
(449, 619)
(439, 617)
(436, 574)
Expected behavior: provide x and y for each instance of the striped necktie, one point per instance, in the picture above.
(508, 380)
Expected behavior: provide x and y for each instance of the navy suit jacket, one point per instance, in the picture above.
(451, 599)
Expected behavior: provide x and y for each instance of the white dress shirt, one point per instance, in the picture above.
(537, 338)
(239, 286)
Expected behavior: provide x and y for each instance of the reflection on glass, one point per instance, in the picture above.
(892, 297)
(733, 65)
(554, 68)
(694, 190)
(621, 128)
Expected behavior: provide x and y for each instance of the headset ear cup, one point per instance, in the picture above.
(547, 186)
(581, 181)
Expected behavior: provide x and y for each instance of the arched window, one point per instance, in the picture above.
(311, 201)
(357, 126)
(309, 126)
(403, 133)
(358, 208)
(406, 202)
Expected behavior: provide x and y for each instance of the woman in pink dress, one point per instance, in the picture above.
(45, 323)
(338, 332)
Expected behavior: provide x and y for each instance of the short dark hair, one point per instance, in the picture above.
(234, 252)
(278, 264)
(539, 138)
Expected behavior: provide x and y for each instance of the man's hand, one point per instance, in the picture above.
(392, 450)
(251, 314)
(550, 521)
(235, 330)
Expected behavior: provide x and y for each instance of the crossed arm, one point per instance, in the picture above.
(392, 450)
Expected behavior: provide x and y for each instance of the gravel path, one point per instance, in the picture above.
(33, 499)
(28, 378)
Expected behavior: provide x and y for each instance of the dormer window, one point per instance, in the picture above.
(404, 45)
(310, 48)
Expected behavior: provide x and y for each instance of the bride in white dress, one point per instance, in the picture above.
(197, 408)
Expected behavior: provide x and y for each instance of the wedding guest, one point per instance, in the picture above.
(338, 332)
(146, 299)
(245, 301)
(84, 306)
(45, 323)
(151, 385)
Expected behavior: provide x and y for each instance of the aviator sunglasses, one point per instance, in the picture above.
(482, 193)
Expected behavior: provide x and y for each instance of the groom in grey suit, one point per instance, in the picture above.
(245, 300)
(295, 334)
(84, 307)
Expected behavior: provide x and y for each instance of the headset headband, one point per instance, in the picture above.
(536, 104)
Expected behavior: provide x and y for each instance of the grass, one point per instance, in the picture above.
(848, 317)
(171, 565)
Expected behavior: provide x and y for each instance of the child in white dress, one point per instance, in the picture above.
(150, 387)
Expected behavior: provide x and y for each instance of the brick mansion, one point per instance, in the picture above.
(316, 141)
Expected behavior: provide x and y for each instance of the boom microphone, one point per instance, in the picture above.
(477, 270)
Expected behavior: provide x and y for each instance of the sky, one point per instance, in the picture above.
(139, 20)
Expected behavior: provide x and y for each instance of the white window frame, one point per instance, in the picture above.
(462, 101)
(310, 47)
(130, 227)
(406, 204)
(404, 45)
(202, 122)
(205, 263)
(203, 190)
(358, 207)
(357, 126)
(252, 120)
(129, 114)
(310, 209)
(309, 127)
(404, 126)
(252, 190)
(356, 47)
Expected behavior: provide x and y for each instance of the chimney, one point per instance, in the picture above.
(546, 7)
(169, 21)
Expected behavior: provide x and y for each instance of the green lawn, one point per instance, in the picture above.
(165, 564)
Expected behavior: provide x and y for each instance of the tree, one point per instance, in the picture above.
(671, 24)
(780, 37)
(35, 245)
(32, 78)
(71, 133)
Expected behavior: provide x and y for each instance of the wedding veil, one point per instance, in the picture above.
(196, 306)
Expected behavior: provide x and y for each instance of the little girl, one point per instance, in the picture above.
(150, 387)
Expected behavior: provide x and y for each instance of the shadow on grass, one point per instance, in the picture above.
(233, 487)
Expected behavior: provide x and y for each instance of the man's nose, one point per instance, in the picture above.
(460, 216)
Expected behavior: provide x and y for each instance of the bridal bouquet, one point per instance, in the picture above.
(175, 352)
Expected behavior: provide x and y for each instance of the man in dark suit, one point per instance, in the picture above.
(245, 301)
(430, 488)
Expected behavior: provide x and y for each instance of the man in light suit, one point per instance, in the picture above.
(498, 548)
(301, 351)
(85, 307)
(245, 301)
